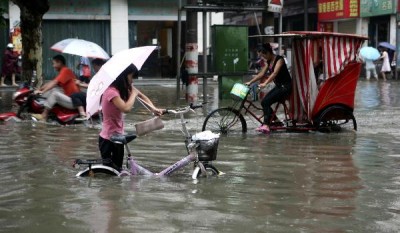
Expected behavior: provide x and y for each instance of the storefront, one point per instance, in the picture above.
(155, 23)
(339, 16)
(382, 20)
(84, 19)
(114, 25)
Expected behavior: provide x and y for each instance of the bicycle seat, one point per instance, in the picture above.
(92, 161)
(122, 139)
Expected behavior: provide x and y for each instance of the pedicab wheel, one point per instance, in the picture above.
(224, 121)
(333, 118)
(210, 171)
(98, 171)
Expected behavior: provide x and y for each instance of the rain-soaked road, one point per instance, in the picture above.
(286, 182)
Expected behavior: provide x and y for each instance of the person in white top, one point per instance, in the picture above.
(385, 63)
(370, 67)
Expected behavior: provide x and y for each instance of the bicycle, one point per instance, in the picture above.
(231, 119)
(201, 147)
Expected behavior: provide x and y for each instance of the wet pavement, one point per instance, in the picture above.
(285, 182)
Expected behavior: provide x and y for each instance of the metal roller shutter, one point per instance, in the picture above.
(97, 31)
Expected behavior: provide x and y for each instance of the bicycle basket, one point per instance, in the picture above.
(207, 149)
(239, 91)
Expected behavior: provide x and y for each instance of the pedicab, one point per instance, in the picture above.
(327, 107)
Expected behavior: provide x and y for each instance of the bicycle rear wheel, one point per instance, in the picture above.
(224, 121)
(98, 170)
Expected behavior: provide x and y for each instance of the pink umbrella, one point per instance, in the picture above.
(110, 71)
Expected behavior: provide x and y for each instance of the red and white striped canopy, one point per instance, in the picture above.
(335, 50)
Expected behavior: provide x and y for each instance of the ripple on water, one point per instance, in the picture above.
(308, 182)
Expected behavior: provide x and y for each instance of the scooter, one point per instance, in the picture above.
(28, 103)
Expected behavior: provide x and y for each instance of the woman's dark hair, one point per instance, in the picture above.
(265, 48)
(121, 82)
(59, 58)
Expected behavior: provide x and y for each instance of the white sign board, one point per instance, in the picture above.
(275, 6)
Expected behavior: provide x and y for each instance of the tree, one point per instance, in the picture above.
(2, 19)
(32, 12)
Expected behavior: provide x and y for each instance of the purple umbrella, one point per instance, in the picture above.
(387, 45)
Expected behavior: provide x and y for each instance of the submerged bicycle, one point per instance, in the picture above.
(201, 147)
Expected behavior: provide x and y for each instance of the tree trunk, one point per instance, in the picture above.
(32, 12)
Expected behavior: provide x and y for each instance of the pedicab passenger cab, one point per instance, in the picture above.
(333, 103)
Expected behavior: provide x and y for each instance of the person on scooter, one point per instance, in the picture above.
(58, 90)
(117, 99)
(278, 73)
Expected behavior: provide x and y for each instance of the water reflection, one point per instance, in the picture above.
(285, 182)
(369, 96)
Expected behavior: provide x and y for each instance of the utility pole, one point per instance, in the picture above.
(267, 22)
(192, 54)
(178, 52)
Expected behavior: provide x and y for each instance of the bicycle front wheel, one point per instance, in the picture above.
(209, 169)
(224, 121)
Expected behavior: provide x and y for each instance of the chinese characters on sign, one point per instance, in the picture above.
(232, 53)
(353, 8)
(375, 7)
(325, 26)
(331, 6)
(337, 9)
(275, 6)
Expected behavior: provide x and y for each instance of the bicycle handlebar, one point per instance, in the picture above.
(192, 106)
(185, 109)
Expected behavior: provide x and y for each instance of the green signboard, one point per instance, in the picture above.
(230, 48)
(230, 55)
(376, 7)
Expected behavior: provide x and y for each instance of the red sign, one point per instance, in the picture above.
(325, 26)
(398, 6)
(338, 9)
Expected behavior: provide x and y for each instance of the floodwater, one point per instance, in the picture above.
(285, 182)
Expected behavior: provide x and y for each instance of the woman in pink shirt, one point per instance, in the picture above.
(117, 99)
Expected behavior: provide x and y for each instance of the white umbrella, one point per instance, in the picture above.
(110, 71)
(80, 47)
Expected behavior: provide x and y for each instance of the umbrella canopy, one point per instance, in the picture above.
(110, 71)
(387, 45)
(370, 53)
(80, 47)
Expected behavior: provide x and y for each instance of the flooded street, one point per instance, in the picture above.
(285, 182)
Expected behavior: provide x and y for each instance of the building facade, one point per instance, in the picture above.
(113, 24)
(375, 19)
(297, 15)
